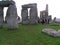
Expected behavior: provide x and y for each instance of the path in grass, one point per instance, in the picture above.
(28, 35)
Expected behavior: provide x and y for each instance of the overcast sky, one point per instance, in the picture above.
(54, 6)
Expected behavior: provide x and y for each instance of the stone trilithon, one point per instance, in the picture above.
(32, 14)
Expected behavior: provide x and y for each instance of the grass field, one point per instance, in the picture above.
(28, 35)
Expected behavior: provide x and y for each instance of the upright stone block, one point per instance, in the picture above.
(33, 16)
(11, 17)
(24, 14)
(1, 17)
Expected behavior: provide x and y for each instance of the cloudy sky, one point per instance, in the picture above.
(54, 7)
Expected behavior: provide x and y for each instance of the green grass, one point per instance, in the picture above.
(28, 35)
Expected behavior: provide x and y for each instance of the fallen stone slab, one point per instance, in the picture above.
(51, 32)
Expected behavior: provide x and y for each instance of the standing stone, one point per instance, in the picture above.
(11, 16)
(1, 17)
(33, 15)
(24, 14)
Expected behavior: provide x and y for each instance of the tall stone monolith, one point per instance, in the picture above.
(11, 16)
(33, 16)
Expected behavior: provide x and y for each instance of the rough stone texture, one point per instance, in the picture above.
(33, 15)
(24, 14)
(1, 17)
(33, 18)
(51, 32)
(11, 17)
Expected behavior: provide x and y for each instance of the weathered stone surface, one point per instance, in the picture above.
(24, 14)
(11, 17)
(33, 16)
(51, 32)
(1, 17)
